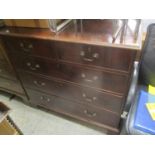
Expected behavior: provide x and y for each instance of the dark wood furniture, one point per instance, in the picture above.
(9, 80)
(81, 72)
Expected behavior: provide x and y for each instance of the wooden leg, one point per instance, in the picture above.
(27, 102)
(12, 97)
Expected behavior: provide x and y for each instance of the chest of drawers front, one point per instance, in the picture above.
(87, 82)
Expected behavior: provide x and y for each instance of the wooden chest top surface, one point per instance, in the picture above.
(96, 32)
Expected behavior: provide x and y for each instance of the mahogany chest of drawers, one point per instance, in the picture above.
(72, 74)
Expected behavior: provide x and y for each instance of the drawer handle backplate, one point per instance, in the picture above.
(83, 75)
(36, 66)
(25, 48)
(87, 59)
(88, 99)
(38, 83)
(46, 99)
(94, 56)
(90, 114)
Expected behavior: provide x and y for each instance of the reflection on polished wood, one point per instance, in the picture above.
(98, 32)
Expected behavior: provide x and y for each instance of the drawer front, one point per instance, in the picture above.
(72, 92)
(5, 71)
(84, 111)
(113, 58)
(94, 78)
(38, 98)
(11, 85)
(34, 47)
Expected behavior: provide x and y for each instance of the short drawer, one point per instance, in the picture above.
(38, 98)
(36, 47)
(99, 56)
(73, 109)
(11, 85)
(73, 92)
(6, 71)
(107, 81)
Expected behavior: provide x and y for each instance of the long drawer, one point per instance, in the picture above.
(99, 56)
(37, 47)
(82, 111)
(6, 71)
(73, 92)
(11, 85)
(113, 58)
(104, 80)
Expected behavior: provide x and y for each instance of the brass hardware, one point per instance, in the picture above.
(90, 114)
(95, 77)
(82, 53)
(88, 80)
(33, 68)
(30, 46)
(89, 99)
(21, 45)
(89, 60)
(37, 66)
(45, 98)
(26, 48)
(7, 31)
(83, 75)
(39, 83)
(28, 64)
(94, 56)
